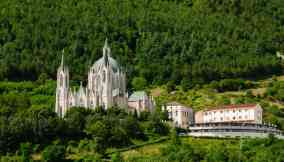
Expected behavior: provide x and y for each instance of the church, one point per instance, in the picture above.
(106, 86)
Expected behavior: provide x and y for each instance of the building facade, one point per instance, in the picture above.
(245, 113)
(181, 115)
(106, 86)
(140, 101)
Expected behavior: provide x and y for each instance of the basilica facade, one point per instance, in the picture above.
(106, 86)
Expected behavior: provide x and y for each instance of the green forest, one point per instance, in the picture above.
(181, 41)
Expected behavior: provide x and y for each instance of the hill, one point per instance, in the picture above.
(28, 122)
(268, 93)
(199, 41)
(208, 150)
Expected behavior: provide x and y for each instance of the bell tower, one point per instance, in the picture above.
(106, 77)
(62, 89)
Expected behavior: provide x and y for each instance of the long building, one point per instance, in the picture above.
(245, 113)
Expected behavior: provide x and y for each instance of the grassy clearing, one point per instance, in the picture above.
(154, 150)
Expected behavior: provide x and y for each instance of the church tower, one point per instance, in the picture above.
(62, 89)
(106, 78)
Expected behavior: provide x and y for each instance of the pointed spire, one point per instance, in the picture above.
(106, 52)
(62, 59)
(106, 43)
(81, 89)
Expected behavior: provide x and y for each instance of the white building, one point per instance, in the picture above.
(140, 101)
(247, 113)
(106, 86)
(181, 115)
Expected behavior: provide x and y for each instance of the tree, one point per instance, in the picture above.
(42, 78)
(75, 119)
(216, 153)
(174, 137)
(116, 157)
(139, 83)
(185, 84)
(100, 133)
(54, 153)
(26, 151)
(170, 86)
(156, 125)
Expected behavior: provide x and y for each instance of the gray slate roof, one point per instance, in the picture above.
(137, 95)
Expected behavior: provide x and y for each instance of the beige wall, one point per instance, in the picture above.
(252, 114)
(181, 116)
(198, 117)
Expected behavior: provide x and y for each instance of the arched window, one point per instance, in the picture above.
(104, 76)
(61, 80)
(94, 80)
(60, 110)
(98, 83)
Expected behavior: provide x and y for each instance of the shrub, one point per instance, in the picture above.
(54, 153)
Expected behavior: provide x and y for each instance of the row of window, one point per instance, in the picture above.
(233, 118)
(183, 113)
(226, 111)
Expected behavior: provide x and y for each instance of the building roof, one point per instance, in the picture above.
(174, 103)
(106, 58)
(113, 63)
(233, 106)
(137, 95)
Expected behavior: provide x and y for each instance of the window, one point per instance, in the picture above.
(61, 81)
(104, 76)
(60, 111)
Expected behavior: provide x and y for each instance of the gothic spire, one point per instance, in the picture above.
(62, 59)
(106, 43)
(106, 52)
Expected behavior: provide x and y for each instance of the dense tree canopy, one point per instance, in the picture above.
(199, 41)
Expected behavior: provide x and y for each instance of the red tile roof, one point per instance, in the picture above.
(233, 107)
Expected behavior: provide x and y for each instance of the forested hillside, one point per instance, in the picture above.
(182, 41)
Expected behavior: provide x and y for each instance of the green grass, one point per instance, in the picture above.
(154, 150)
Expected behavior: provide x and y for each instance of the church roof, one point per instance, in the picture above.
(106, 58)
(112, 62)
(137, 95)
